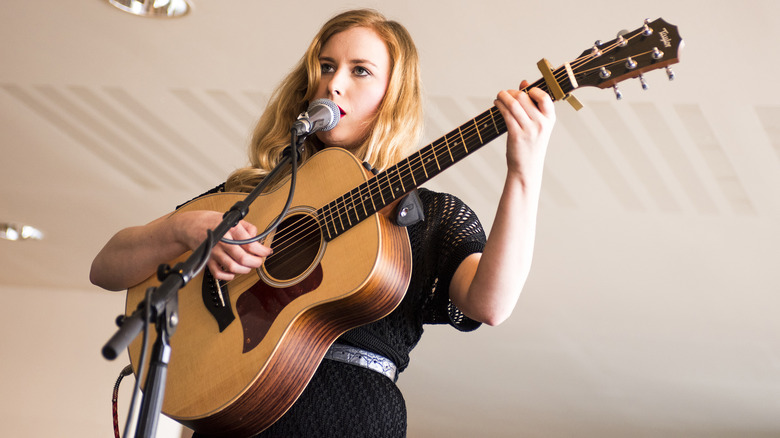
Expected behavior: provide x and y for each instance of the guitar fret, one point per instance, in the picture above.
(357, 202)
(419, 168)
(362, 199)
(422, 163)
(386, 190)
(411, 172)
(344, 210)
(485, 126)
(340, 201)
(458, 146)
(350, 208)
(365, 194)
(477, 129)
(381, 200)
(353, 209)
(370, 196)
(330, 226)
(449, 150)
(400, 180)
(463, 140)
(435, 157)
(323, 223)
(492, 118)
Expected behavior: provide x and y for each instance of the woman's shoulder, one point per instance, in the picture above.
(441, 202)
(428, 195)
(218, 189)
(448, 214)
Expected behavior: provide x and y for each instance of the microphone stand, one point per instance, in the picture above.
(161, 303)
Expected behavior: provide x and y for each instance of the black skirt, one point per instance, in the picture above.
(343, 401)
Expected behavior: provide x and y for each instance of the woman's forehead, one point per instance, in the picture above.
(357, 43)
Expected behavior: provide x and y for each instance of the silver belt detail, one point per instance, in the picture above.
(362, 358)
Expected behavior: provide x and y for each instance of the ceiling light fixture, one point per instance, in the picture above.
(19, 232)
(153, 8)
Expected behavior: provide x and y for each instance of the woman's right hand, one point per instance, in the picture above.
(226, 260)
(133, 254)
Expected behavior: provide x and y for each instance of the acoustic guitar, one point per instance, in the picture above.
(244, 350)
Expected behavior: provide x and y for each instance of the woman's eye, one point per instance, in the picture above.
(326, 68)
(360, 71)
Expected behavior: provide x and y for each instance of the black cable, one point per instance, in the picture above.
(290, 195)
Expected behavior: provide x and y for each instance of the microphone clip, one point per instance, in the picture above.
(302, 126)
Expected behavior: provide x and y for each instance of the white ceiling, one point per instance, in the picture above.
(651, 308)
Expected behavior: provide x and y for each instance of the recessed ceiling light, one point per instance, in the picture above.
(19, 232)
(153, 8)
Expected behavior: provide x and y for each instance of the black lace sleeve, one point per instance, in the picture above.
(450, 233)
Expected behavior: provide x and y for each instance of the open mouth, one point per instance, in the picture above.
(343, 113)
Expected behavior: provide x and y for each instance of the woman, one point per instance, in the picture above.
(368, 66)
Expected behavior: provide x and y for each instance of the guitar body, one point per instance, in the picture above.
(236, 380)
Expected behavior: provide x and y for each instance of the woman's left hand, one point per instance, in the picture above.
(529, 118)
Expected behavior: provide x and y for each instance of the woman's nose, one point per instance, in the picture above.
(336, 83)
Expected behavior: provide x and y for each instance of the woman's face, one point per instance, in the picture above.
(355, 67)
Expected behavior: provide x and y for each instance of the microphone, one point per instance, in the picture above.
(322, 115)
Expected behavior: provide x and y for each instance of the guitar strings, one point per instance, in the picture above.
(340, 210)
(469, 133)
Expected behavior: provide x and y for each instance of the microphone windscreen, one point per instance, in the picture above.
(334, 111)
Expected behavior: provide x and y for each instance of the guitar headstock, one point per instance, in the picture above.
(652, 46)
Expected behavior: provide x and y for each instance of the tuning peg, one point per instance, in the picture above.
(604, 73)
(643, 82)
(596, 51)
(647, 29)
(618, 94)
(630, 63)
(670, 73)
(622, 42)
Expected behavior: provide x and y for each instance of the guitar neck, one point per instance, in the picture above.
(652, 46)
(396, 181)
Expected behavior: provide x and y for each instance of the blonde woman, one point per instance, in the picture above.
(369, 67)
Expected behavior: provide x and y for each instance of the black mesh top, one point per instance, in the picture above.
(450, 232)
(343, 400)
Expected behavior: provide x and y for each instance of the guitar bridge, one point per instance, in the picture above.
(216, 298)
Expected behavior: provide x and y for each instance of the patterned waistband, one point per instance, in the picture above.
(363, 358)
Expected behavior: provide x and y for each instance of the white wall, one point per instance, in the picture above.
(53, 378)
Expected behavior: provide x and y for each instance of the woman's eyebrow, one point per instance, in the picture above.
(353, 61)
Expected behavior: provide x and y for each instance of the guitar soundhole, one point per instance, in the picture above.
(296, 245)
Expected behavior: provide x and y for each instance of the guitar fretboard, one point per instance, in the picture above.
(396, 181)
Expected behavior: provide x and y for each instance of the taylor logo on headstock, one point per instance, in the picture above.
(665, 38)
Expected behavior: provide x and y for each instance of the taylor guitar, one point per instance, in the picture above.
(246, 349)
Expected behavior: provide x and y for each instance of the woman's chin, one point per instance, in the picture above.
(331, 140)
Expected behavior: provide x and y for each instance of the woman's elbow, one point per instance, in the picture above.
(490, 315)
(98, 276)
(495, 318)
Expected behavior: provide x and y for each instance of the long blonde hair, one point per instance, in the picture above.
(398, 122)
